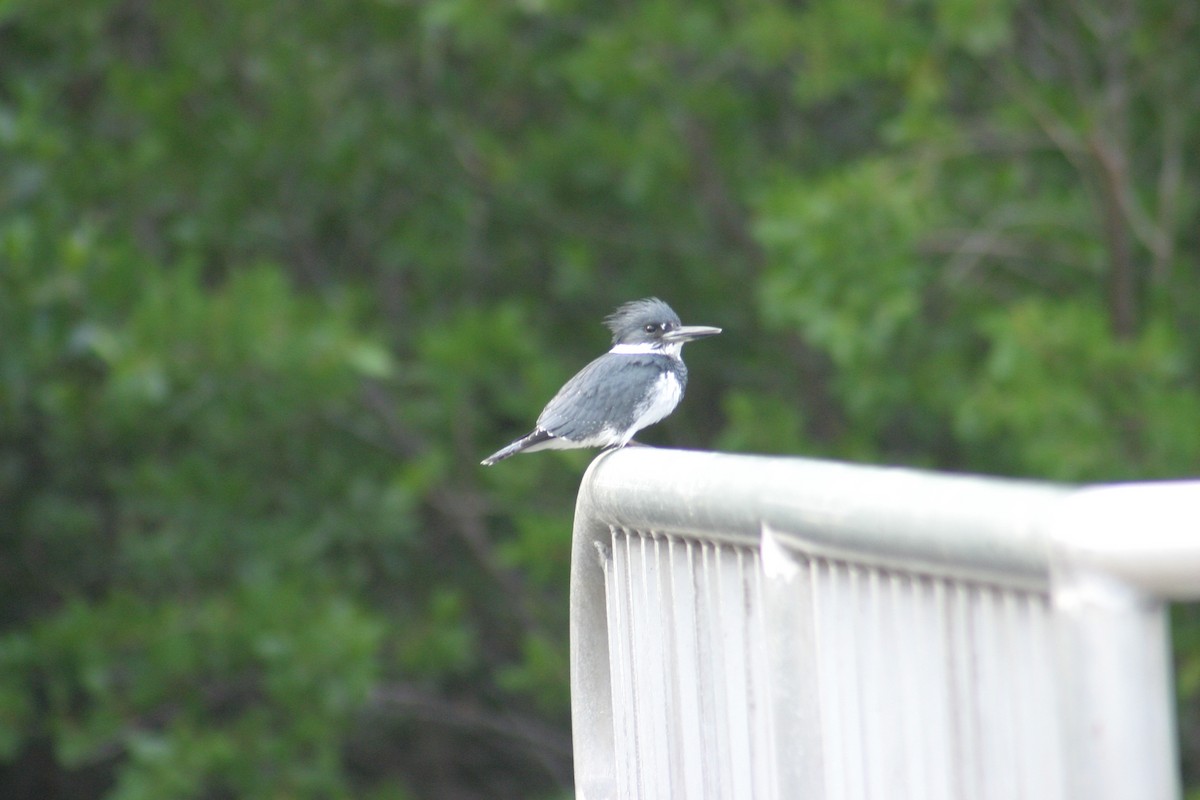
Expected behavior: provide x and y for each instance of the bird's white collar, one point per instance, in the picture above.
(647, 349)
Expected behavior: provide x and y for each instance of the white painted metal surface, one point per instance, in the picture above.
(748, 627)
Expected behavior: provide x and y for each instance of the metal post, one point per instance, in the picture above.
(1115, 691)
(591, 687)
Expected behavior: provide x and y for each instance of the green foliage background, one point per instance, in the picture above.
(275, 276)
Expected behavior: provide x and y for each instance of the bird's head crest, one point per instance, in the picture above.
(640, 320)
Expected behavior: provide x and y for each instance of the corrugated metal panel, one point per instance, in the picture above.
(687, 643)
(931, 688)
(925, 688)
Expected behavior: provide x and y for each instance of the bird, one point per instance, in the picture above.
(635, 384)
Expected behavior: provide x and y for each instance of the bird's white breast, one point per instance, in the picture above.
(660, 402)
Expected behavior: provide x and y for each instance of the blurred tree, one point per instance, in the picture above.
(1012, 255)
(273, 278)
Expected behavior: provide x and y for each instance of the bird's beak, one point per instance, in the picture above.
(686, 333)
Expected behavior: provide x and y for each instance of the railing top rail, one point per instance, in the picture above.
(990, 529)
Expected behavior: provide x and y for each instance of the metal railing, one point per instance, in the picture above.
(752, 627)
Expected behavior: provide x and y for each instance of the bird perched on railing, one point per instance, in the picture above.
(635, 384)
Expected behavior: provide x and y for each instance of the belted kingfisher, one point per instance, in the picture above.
(635, 384)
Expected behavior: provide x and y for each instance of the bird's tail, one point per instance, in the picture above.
(524, 443)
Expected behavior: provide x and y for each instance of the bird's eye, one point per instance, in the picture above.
(651, 328)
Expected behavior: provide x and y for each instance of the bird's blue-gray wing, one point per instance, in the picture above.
(604, 394)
